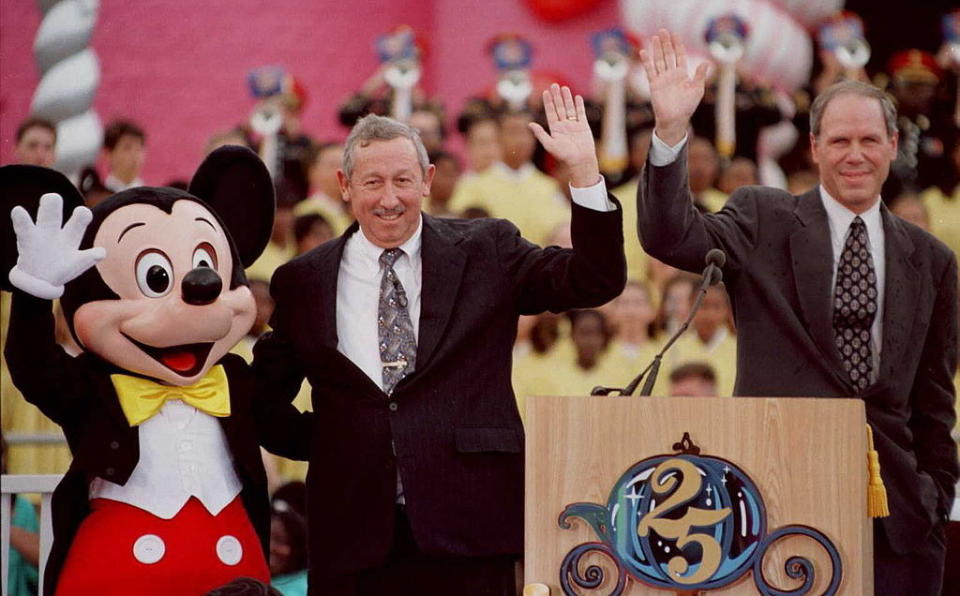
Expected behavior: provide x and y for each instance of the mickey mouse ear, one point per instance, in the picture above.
(234, 182)
(23, 186)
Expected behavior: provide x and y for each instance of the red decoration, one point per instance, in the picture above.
(560, 10)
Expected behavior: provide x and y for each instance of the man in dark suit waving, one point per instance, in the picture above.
(404, 327)
(833, 297)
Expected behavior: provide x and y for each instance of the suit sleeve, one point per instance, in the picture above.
(282, 429)
(933, 397)
(674, 231)
(45, 374)
(592, 273)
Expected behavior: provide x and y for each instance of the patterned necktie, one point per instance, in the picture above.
(398, 345)
(855, 305)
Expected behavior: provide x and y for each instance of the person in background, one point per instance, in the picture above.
(802, 181)
(943, 202)
(741, 171)
(703, 169)
(478, 125)
(710, 339)
(234, 136)
(124, 146)
(693, 379)
(427, 120)
(675, 301)
(22, 574)
(36, 143)
(92, 188)
(637, 260)
(444, 182)
(310, 231)
(324, 160)
(288, 547)
(909, 206)
(282, 246)
(514, 189)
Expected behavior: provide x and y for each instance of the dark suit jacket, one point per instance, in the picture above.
(77, 394)
(779, 271)
(452, 426)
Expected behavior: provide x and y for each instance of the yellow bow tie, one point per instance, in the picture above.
(141, 398)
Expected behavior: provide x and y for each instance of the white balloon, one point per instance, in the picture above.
(779, 51)
(65, 30)
(810, 13)
(68, 87)
(78, 142)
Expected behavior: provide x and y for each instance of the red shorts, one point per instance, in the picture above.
(121, 549)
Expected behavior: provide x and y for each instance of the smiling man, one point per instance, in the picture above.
(404, 327)
(833, 296)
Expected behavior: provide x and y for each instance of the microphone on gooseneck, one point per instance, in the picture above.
(712, 275)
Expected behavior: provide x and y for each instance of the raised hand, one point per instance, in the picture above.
(673, 93)
(48, 254)
(569, 140)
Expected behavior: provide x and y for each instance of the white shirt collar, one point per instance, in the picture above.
(841, 217)
(370, 252)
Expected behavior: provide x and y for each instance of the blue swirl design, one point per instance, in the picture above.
(740, 534)
(798, 567)
(593, 575)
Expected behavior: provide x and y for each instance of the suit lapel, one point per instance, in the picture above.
(812, 257)
(443, 266)
(901, 294)
(326, 261)
(324, 285)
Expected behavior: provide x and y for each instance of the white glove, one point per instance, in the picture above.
(49, 254)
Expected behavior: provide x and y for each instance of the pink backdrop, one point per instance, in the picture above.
(179, 67)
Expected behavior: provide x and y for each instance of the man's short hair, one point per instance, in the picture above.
(121, 128)
(380, 128)
(34, 122)
(853, 88)
(693, 370)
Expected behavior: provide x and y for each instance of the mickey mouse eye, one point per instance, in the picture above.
(205, 256)
(154, 274)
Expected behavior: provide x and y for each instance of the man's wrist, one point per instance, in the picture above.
(588, 176)
(671, 133)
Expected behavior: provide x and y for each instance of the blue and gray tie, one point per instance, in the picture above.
(398, 344)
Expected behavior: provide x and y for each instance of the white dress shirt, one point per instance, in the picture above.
(358, 287)
(183, 454)
(358, 291)
(839, 219)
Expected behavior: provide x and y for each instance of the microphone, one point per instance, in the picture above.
(712, 275)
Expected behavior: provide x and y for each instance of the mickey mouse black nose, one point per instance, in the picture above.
(201, 286)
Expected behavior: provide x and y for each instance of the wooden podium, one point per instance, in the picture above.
(806, 457)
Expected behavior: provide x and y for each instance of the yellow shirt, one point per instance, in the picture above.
(273, 256)
(636, 259)
(19, 417)
(713, 199)
(720, 353)
(527, 197)
(557, 373)
(944, 215)
(331, 209)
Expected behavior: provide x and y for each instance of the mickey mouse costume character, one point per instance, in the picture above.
(166, 493)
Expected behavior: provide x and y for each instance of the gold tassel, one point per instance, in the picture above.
(876, 492)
